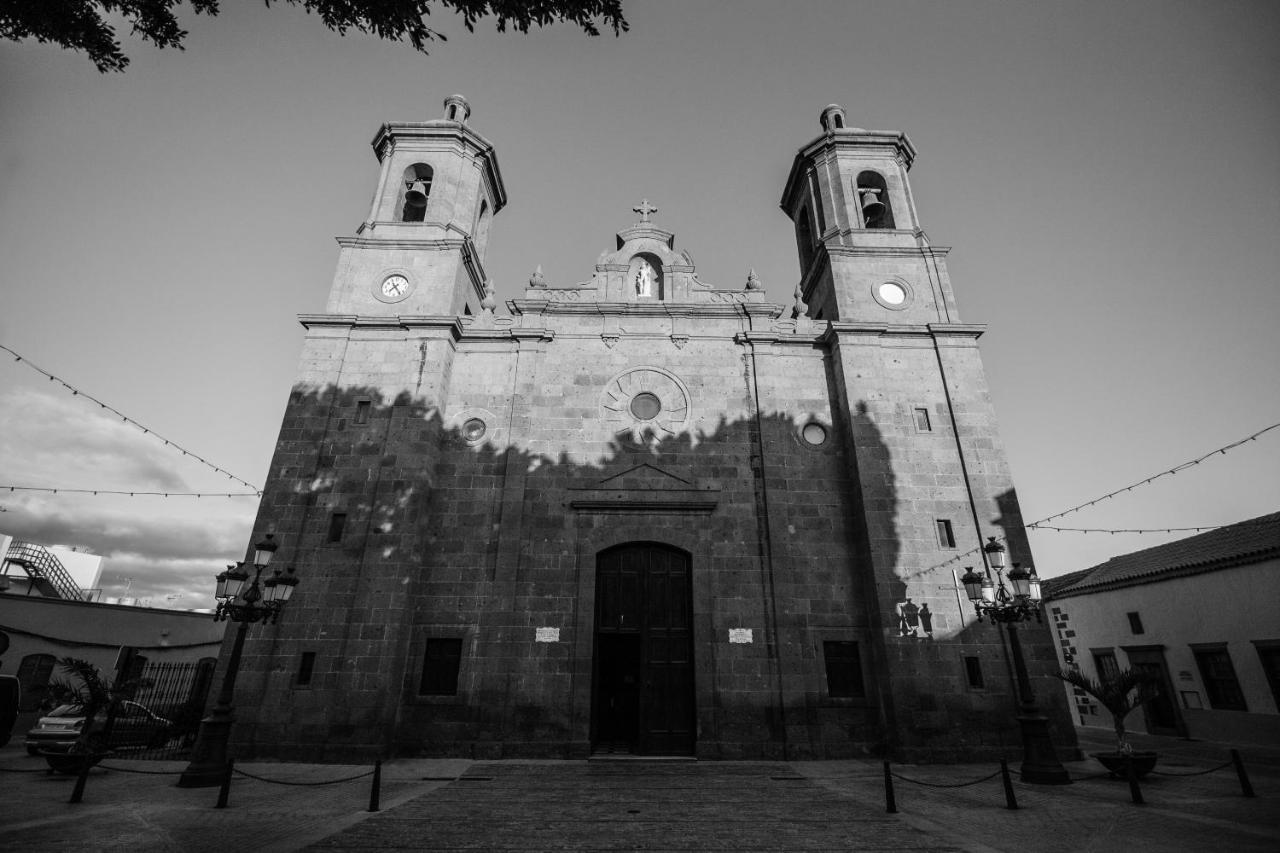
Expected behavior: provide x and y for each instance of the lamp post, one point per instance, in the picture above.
(1040, 762)
(244, 605)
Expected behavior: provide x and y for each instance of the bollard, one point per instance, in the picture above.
(890, 805)
(1134, 791)
(225, 790)
(1010, 801)
(374, 790)
(1245, 787)
(77, 793)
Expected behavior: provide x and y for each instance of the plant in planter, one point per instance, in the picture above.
(1121, 694)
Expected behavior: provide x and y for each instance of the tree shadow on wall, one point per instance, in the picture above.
(404, 526)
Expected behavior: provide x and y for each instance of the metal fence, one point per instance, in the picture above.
(163, 716)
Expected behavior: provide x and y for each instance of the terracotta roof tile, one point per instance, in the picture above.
(1255, 537)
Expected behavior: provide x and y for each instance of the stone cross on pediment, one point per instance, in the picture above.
(644, 209)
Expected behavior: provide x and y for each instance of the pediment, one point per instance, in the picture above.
(645, 488)
(645, 476)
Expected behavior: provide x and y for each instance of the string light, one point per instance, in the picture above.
(132, 494)
(126, 419)
(1042, 525)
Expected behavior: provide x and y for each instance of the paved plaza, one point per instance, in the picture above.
(640, 805)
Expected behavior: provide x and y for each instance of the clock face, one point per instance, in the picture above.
(395, 286)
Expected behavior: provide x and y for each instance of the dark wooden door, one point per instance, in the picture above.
(1161, 713)
(643, 688)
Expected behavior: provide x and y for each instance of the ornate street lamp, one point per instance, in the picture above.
(1040, 762)
(258, 602)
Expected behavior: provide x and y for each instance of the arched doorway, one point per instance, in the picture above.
(642, 684)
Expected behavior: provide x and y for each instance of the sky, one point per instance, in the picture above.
(1107, 174)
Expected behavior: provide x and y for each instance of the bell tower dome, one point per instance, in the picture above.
(863, 255)
(421, 250)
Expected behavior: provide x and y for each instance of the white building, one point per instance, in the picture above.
(1200, 614)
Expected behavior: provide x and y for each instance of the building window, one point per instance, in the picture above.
(922, 420)
(1135, 623)
(873, 200)
(33, 675)
(363, 407)
(946, 535)
(844, 669)
(337, 522)
(1220, 680)
(973, 671)
(417, 190)
(1269, 654)
(1105, 664)
(306, 666)
(440, 667)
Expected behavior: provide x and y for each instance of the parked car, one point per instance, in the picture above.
(135, 726)
(10, 696)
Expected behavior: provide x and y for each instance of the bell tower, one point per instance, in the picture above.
(863, 255)
(421, 250)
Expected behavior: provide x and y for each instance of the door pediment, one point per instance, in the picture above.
(645, 488)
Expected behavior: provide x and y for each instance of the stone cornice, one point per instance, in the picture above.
(695, 501)
(645, 309)
(480, 147)
(890, 143)
(940, 332)
(435, 244)
(922, 250)
(352, 321)
(808, 340)
(968, 331)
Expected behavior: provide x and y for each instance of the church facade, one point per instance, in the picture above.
(638, 514)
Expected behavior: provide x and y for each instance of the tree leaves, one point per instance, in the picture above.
(80, 25)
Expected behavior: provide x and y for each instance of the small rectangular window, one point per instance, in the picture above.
(922, 421)
(1105, 664)
(844, 669)
(1269, 655)
(306, 665)
(1135, 623)
(1220, 680)
(973, 671)
(440, 667)
(337, 522)
(946, 536)
(363, 408)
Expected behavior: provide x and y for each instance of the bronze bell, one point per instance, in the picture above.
(872, 207)
(416, 195)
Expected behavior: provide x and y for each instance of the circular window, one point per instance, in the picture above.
(474, 429)
(814, 433)
(893, 293)
(646, 406)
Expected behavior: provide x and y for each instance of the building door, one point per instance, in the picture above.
(642, 692)
(1161, 713)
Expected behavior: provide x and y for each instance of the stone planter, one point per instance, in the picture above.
(1143, 762)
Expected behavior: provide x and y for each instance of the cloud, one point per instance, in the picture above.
(147, 528)
(60, 440)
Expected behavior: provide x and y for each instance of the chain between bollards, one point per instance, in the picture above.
(375, 788)
(890, 805)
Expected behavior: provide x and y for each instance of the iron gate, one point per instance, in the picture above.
(162, 717)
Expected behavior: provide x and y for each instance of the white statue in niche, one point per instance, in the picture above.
(644, 279)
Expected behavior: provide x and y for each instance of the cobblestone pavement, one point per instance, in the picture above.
(443, 805)
(634, 805)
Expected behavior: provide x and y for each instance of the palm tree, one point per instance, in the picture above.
(91, 695)
(1119, 693)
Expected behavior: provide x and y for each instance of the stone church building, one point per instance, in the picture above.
(637, 514)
